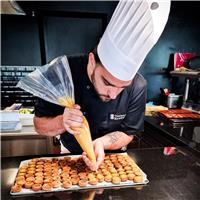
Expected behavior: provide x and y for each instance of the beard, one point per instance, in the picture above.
(102, 97)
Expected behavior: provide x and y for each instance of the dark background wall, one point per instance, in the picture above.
(51, 29)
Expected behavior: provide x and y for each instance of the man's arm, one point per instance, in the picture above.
(52, 126)
(49, 126)
(116, 140)
(110, 141)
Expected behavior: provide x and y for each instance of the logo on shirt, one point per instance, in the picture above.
(117, 117)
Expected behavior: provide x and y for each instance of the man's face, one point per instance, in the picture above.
(107, 86)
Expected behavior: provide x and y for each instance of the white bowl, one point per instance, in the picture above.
(26, 119)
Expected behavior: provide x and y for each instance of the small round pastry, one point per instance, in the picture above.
(131, 176)
(30, 179)
(39, 166)
(93, 181)
(39, 174)
(73, 172)
(36, 187)
(100, 178)
(74, 176)
(39, 169)
(30, 172)
(47, 169)
(56, 184)
(124, 163)
(117, 165)
(21, 174)
(19, 178)
(48, 180)
(22, 170)
(47, 186)
(127, 168)
(105, 173)
(55, 178)
(102, 166)
(21, 182)
(129, 172)
(28, 185)
(29, 175)
(64, 174)
(66, 179)
(122, 173)
(16, 188)
(115, 175)
(47, 173)
(75, 181)
(67, 184)
(137, 173)
(40, 163)
(82, 174)
(116, 180)
(113, 170)
(66, 168)
(31, 169)
(108, 178)
(91, 175)
(82, 183)
(110, 165)
(31, 163)
(138, 179)
(38, 181)
(34, 160)
(83, 177)
(124, 177)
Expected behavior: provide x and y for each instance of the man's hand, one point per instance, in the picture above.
(73, 117)
(99, 152)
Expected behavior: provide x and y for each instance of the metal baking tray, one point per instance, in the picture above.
(76, 187)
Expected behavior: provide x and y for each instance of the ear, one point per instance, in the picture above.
(91, 61)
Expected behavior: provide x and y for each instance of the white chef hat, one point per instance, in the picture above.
(134, 28)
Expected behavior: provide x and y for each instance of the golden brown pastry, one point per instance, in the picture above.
(75, 181)
(28, 185)
(131, 176)
(16, 188)
(30, 179)
(82, 183)
(108, 178)
(93, 181)
(67, 184)
(38, 181)
(124, 177)
(47, 186)
(20, 182)
(138, 179)
(116, 180)
(36, 187)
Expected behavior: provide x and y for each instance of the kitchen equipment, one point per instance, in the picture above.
(174, 101)
(9, 121)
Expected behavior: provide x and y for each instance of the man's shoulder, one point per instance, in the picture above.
(139, 82)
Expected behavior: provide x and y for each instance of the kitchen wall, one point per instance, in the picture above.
(51, 29)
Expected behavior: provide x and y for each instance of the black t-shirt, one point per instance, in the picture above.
(125, 113)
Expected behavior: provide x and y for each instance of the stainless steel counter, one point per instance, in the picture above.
(25, 142)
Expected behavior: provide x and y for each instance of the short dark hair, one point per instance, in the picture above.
(96, 56)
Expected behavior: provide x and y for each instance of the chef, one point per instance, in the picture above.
(108, 89)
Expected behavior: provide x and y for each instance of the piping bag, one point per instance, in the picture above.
(53, 83)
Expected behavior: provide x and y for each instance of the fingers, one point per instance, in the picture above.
(88, 162)
(100, 159)
(69, 130)
(76, 106)
(73, 119)
(99, 151)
